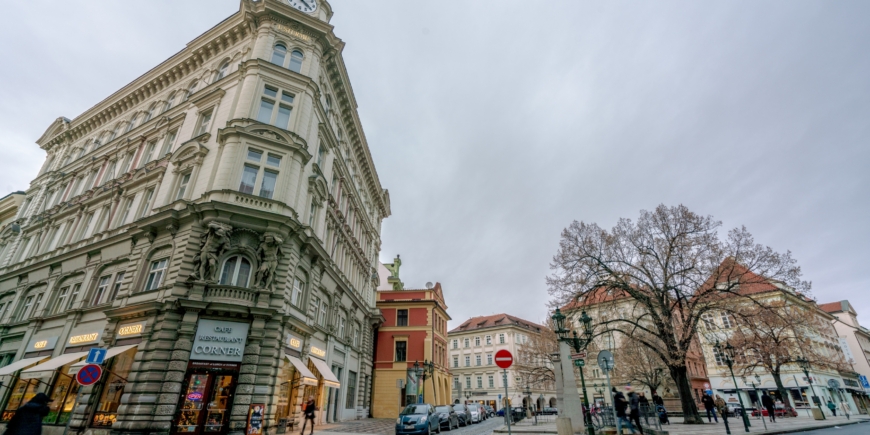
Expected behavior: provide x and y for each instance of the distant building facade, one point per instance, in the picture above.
(855, 343)
(215, 224)
(10, 206)
(411, 346)
(476, 377)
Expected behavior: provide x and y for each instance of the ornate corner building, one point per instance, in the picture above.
(215, 225)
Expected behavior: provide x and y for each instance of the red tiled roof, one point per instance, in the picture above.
(832, 307)
(494, 320)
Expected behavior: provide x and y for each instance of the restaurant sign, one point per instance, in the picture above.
(217, 340)
(40, 344)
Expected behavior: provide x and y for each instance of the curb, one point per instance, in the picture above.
(503, 429)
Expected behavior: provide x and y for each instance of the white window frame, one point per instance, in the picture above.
(183, 182)
(102, 288)
(147, 201)
(60, 300)
(156, 274)
(204, 122)
(232, 280)
(261, 166)
(74, 294)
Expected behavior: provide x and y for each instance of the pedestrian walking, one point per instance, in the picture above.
(621, 405)
(28, 418)
(710, 407)
(644, 407)
(847, 411)
(308, 409)
(768, 404)
(657, 400)
(832, 407)
(719, 403)
(634, 413)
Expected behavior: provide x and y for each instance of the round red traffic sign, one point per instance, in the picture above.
(89, 374)
(504, 359)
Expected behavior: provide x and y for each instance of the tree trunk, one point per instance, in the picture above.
(690, 410)
(786, 397)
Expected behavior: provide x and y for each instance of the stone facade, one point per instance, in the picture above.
(231, 183)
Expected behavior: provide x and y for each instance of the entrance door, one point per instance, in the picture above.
(206, 403)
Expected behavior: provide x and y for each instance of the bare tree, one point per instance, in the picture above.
(533, 362)
(675, 267)
(643, 366)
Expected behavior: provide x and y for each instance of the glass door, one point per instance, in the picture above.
(219, 404)
(191, 406)
(206, 403)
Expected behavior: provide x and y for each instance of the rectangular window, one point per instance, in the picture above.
(155, 276)
(401, 317)
(25, 309)
(168, 143)
(116, 287)
(249, 177)
(350, 402)
(73, 296)
(500, 338)
(489, 359)
(282, 120)
(296, 295)
(60, 302)
(456, 382)
(342, 327)
(491, 381)
(315, 306)
(125, 211)
(265, 113)
(145, 208)
(83, 227)
(90, 183)
(110, 172)
(204, 121)
(182, 186)
(476, 341)
(488, 340)
(128, 161)
(267, 188)
(480, 382)
(455, 361)
(467, 361)
(148, 154)
(322, 316)
(401, 351)
(466, 343)
(356, 336)
(468, 382)
(455, 344)
(477, 360)
(102, 289)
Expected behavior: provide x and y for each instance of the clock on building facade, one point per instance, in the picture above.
(308, 6)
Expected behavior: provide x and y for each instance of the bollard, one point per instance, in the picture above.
(563, 426)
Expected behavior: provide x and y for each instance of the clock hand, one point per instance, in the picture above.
(306, 3)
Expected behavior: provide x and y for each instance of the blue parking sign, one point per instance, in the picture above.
(96, 355)
(864, 382)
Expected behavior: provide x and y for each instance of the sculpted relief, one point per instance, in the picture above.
(214, 242)
(268, 253)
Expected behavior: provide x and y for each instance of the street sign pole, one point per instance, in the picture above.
(504, 359)
(508, 412)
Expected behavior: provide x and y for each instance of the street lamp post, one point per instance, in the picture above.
(805, 366)
(757, 398)
(579, 345)
(729, 360)
(528, 393)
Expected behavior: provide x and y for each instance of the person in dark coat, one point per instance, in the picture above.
(644, 407)
(308, 410)
(28, 418)
(634, 410)
(620, 404)
(710, 408)
(767, 403)
(657, 400)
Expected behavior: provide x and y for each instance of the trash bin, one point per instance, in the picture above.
(817, 414)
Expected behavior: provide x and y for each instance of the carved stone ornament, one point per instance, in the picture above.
(268, 253)
(215, 241)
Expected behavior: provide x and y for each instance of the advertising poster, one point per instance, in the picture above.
(255, 418)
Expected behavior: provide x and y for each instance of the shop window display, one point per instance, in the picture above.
(63, 397)
(287, 397)
(113, 389)
(206, 404)
(22, 392)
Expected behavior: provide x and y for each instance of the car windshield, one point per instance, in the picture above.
(472, 407)
(442, 409)
(415, 409)
(459, 407)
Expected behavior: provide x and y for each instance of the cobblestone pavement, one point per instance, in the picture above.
(387, 426)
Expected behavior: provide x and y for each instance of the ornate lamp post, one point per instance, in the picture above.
(729, 360)
(528, 392)
(757, 398)
(805, 366)
(579, 345)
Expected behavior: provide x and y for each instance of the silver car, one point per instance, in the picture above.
(476, 412)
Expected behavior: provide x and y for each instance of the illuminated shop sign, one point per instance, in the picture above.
(293, 342)
(131, 329)
(38, 344)
(84, 338)
(217, 340)
(318, 351)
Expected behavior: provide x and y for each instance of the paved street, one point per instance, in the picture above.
(853, 429)
(386, 426)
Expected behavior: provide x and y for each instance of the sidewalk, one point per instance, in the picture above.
(782, 425)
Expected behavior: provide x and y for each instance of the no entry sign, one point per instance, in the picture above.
(503, 359)
(89, 374)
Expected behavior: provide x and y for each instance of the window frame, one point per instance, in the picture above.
(157, 270)
(402, 320)
(234, 279)
(404, 354)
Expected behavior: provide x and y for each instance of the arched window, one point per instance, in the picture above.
(236, 271)
(130, 124)
(222, 71)
(169, 102)
(114, 133)
(149, 113)
(278, 54)
(190, 90)
(296, 61)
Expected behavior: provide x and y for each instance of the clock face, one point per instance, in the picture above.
(307, 6)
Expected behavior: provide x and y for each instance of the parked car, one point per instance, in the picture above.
(549, 411)
(489, 411)
(418, 419)
(448, 416)
(734, 409)
(463, 413)
(476, 413)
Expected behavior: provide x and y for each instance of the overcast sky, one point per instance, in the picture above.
(494, 124)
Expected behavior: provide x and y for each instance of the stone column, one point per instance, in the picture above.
(572, 407)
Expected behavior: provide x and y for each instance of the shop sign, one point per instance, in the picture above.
(255, 418)
(293, 342)
(217, 340)
(864, 381)
(194, 396)
(131, 329)
(318, 351)
(89, 337)
(39, 344)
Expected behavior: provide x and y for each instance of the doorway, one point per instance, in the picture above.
(207, 399)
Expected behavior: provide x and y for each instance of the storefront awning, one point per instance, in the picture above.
(113, 351)
(305, 375)
(45, 369)
(20, 364)
(329, 378)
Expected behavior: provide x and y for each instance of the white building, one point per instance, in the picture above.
(855, 342)
(216, 224)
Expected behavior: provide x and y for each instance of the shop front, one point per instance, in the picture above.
(206, 401)
(327, 381)
(22, 390)
(294, 378)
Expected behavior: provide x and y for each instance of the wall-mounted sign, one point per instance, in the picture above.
(318, 351)
(40, 344)
(85, 338)
(217, 340)
(293, 342)
(131, 329)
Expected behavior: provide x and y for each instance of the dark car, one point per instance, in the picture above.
(463, 413)
(448, 416)
(549, 411)
(418, 419)
(489, 411)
